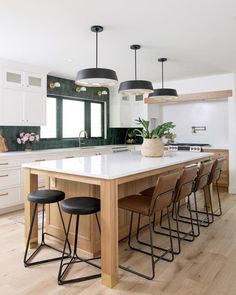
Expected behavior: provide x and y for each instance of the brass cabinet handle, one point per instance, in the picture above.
(69, 157)
(40, 160)
(5, 175)
(3, 194)
(3, 163)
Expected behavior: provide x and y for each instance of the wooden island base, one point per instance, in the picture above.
(89, 238)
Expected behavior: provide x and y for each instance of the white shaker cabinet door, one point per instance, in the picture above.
(12, 107)
(34, 108)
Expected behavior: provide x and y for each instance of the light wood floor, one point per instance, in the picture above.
(206, 266)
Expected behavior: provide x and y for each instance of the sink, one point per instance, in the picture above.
(87, 147)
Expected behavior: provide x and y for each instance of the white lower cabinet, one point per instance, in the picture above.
(10, 197)
(10, 177)
(11, 180)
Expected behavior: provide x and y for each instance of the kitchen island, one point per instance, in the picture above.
(108, 177)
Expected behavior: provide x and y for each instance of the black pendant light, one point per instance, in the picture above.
(96, 77)
(136, 87)
(163, 92)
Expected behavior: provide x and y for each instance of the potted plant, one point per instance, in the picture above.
(152, 140)
(131, 136)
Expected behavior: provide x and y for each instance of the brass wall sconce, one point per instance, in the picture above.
(53, 85)
(100, 93)
(80, 89)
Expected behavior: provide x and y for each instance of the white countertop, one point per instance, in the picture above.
(62, 150)
(113, 166)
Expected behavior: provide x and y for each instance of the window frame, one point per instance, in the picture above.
(87, 117)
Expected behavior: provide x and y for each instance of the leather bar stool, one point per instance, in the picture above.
(213, 179)
(77, 206)
(183, 189)
(201, 183)
(148, 206)
(44, 197)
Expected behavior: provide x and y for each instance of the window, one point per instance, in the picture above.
(96, 119)
(67, 117)
(73, 114)
(50, 129)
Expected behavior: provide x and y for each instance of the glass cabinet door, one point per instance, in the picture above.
(35, 81)
(14, 78)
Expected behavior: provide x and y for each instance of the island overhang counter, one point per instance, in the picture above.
(108, 177)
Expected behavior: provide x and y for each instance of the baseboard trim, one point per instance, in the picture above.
(232, 190)
(11, 209)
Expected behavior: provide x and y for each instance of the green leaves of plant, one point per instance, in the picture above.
(158, 132)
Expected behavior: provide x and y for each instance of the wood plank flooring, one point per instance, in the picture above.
(206, 266)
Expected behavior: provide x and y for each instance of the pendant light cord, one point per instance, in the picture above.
(135, 64)
(96, 48)
(162, 79)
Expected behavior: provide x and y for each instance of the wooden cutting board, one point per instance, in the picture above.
(3, 145)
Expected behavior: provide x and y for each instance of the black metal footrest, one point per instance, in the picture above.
(166, 251)
(202, 222)
(190, 233)
(154, 262)
(76, 259)
(28, 263)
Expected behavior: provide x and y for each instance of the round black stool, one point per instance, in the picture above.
(44, 197)
(77, 206)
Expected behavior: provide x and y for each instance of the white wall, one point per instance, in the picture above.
(219, 117)
(213, 115)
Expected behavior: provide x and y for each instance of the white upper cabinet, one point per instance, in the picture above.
(12, 107)
(35, 82)
(22, 95)
(13, 78)
(34, 109)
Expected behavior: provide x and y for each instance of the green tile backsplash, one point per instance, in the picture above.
(67, 89)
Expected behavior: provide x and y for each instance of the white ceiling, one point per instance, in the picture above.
(198, 37)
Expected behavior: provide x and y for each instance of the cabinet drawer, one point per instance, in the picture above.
(10, 197)
(9, 162)
(10, 177)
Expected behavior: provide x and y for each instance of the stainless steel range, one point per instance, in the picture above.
(191, 147)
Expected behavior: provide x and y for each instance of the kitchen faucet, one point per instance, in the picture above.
(85, 133)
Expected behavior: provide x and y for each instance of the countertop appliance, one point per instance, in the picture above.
(192, 147)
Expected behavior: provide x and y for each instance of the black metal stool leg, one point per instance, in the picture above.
(74, 259)
(173, 212)
(196, 221)
(166, 251)
(43, 243)
(150, 245)
(141, 251)
(219, 201)
(99, 228)
(60, 273)
(28, 239)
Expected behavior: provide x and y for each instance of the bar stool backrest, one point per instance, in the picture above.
(216, 170)
(163, 193)
(203, 175)
(185, 184)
